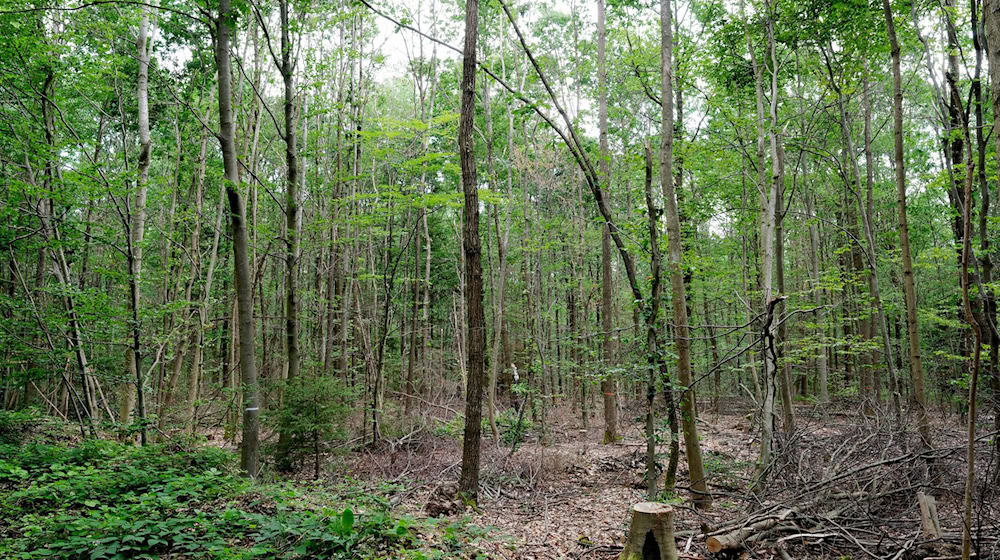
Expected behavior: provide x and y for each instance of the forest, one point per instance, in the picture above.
(631, 279)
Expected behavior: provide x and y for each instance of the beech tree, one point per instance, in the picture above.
(250, 446)
(468, 485)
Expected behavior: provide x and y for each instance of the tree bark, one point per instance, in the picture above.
(468, 485)
(909, 291)
(656, 361)
(682, 340)
(787, 414)
(991, 19)
(292, 228)
(822, 372)
(970, 317)
(608, 382)
(651, 533)
(768, 201)
(250, 445)
(499, 284)
(138, 227)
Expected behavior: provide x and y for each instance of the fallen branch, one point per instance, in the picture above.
(736, 539)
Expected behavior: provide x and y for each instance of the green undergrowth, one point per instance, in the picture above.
(512, 428)
(101, 499)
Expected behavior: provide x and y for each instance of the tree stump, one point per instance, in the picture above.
(651, 536)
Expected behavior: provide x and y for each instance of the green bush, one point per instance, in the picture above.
(453, 428)
(507, 424)
(510, 431)
(315, 411)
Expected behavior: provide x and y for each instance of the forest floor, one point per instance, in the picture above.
(571, 497)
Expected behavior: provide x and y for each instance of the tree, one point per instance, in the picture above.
(293, 219)
(609, 385)
(468, 484)
(137, 230)
(682, 337)
(909, 290)
(250, 445)
(768, 202)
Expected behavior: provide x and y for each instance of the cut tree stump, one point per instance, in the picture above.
(651, 536)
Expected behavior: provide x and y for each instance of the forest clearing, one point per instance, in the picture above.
(560, 279)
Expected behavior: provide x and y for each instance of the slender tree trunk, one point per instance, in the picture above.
(822, 372)
(787, 414)
(713, 345)
(909, 291)
(970, 317)
(768, 201)
(53, 181)
(867, 208)
(250, 446)
(411, 364)
(497, 297)
(954, 146)
(293, 219)
(991, 19)
(682, 340)
(137, 229)
(656, 361)
(194, 377)
(426, 326)
(608, 382)
(468, 485)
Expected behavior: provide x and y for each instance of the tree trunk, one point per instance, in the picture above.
(499, 284)
(682, 340)
(822, 372)
(787, 415)
(991, 18)
(909, 291)
(713, 345)
(768, 201)
(656, 360)
(250, 445)
(608, 382)
(867, 208)
(292, 228)
(970, 317)
(468, 485)
(137, 230)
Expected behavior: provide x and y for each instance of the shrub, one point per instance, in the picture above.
(507, 424)
(315, 411)
(510, 430)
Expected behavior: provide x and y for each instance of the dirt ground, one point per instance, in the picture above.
(571, 497)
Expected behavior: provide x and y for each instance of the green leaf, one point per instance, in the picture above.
(347, 520)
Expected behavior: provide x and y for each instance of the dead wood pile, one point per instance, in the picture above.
(862, 491)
